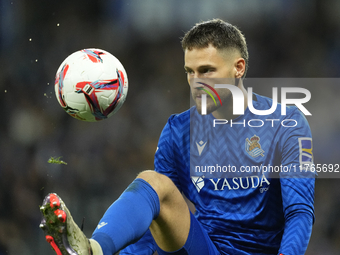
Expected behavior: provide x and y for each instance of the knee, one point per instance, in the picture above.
(162, 184)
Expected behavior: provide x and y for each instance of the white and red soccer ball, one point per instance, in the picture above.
(91, 85)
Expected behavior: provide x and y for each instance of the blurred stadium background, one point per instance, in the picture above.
(286, 38)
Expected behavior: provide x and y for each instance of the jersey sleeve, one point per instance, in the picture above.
(297, 186)
(165, 157)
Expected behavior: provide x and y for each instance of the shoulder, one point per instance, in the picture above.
(262, 102)
(178, 125)
(180, 119)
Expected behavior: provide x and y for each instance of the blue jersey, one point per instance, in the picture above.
(246, 177)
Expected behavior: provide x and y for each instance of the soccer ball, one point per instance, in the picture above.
(91, 85)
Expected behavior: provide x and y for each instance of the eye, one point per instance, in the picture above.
(207, 70)
(189, 72)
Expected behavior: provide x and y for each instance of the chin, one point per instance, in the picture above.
(210, 109)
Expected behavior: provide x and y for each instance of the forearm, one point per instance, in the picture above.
(297, 232)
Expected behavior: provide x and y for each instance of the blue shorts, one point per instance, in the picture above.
(198, 242)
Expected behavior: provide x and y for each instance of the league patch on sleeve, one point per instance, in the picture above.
(306, 150)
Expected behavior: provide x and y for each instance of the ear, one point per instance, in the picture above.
(240, 67)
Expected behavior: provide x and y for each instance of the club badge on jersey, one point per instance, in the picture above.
(253, 146)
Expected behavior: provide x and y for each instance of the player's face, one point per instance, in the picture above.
(205, 65)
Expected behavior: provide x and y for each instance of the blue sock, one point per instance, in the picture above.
(128, 218)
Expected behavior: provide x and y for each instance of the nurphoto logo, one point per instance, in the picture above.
(238, 99)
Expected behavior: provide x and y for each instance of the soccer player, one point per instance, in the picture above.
(254, 213)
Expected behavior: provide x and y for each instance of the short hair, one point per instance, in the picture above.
(218, 33)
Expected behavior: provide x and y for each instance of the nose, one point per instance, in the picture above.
(197, 83)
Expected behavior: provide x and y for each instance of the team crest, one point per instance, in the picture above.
(253, 146)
